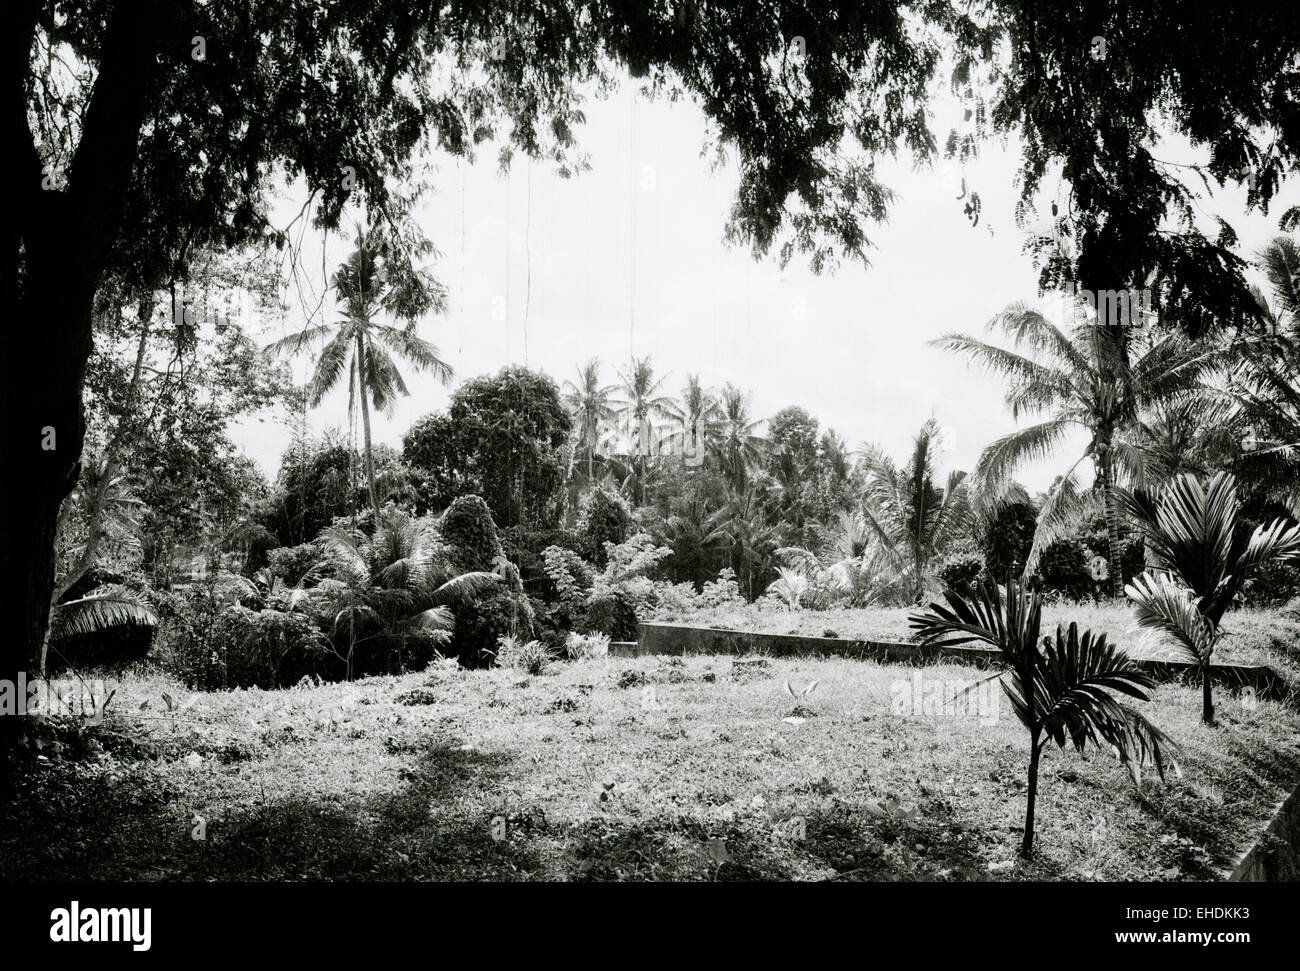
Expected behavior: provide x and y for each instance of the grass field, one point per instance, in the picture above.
(630, 769)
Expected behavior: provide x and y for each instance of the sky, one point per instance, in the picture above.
(629, 258)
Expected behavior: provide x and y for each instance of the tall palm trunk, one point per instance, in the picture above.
(1106, 481)
(365, 424)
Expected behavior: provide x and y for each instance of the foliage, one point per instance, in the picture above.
(1061, 691)
(468, 529)
(962, 572)
(603, 517)
(1201, 555)
(579, 647)
(504, 437)
(292, 563)
(481, 623)
(531, 657)
(1086, 375)
(368, 284)
(393, 596)
(911, 518)
(591, 406)
(211, 640)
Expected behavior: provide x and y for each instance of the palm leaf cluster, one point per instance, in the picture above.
(1079, 376)
(396, 583)
(1063, 691)
(1200, 554)
(912, 518)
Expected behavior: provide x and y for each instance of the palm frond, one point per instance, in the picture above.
(108, 606)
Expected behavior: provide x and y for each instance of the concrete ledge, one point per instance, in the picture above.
(1275, 857)
(661, 638)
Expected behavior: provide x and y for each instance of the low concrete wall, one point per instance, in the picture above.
(659, 638)
(1275, 857)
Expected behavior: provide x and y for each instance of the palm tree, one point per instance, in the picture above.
(591, 405)
(368, 283)
(396, 583)
(693, 530)
(697, 410)
(738, 445)
(1094, 377)
(910, 517)
(1200, 556)
(1059, 692)
(643, 403)
(753, 541)
(1264, 385)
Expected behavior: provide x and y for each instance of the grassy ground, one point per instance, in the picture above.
(413, 778)
(1268, 637)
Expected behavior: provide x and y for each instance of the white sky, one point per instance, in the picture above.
(629, 258)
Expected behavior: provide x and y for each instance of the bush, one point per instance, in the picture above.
(525, 548)
(291, 563)
(211, 643)
(1063, 569)
(1273, 585)
(530, 657)
(470, 534)
(603, 517)
(961, 572)
(613, 613)
(480, 625)
(580, 646)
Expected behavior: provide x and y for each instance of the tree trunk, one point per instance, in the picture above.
(1105, 477)
(1207, 694)
(60, 231)
(1031, 797)
(365, 424)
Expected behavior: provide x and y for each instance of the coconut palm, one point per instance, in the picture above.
(738, 445)
(396, 583)
(911, 518)
(643, 403)
(1199, 557)
(1095, 378)
(693, 529)
(368, 284)
(591, 406)
(1060, 692)
(697, 410)
(1264, 383)
(751, 539)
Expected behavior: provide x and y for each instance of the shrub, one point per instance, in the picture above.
(530, 657)
(481, 623)
(613, 613)
(1063, 569)
(723, 591)
(291, 563)
(603, 518)
(211, 643)
(470, 534)
(580, 646)
(960, 572)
